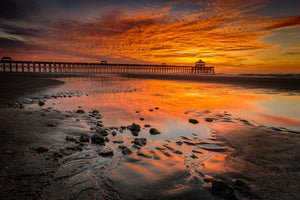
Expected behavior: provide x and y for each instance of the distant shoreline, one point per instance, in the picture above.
(280, 83)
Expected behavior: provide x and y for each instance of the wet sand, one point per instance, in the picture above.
(39, 163)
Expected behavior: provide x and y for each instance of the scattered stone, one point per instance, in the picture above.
(123, 127)
(135, 129)
(193, 121)
(208, 119)
(156, 108)
(186, 138)
(142, 119)
(43, 115)
(41, 103)
(140, 141)
(42, 149)
(193, 156)
(220, 188)
(84, 138)
(69, 115)
(118, 141)
(70, 138)
(197, 151)
(151, 110)
(80, 111)
(154, 131)
(106, 152)
(147, 125)
(51, 124)
(125, 150)
(98, 139)
(114, 133)
(103, 132)
(58, 155)
(95, 112)
(137, 111)
(179, 142)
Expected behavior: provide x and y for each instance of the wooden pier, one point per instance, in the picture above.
(9, 65)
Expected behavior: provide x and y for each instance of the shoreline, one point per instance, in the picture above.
(281, 84)
(27, 173)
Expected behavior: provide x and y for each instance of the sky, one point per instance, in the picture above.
(236, 36)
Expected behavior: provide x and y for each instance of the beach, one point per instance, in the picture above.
(83, 153)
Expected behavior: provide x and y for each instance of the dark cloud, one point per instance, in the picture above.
(18, 9)
(21, 31)
(291, 53)
(284, 23)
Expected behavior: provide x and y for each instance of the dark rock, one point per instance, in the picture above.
(142, 119)
(125, 150)
(147, 125)
(193, 121)
(118, 141)
(156, 108)
(98, 139)
(209, 119)
(41, 103)
(103, 132)
(69, 115)
(84, 138)
(193, 156)
(140, 141)
(154, 131)
(42, 149)
(150, 110)
(123, 127)
(77, 147)
(95, 112)
(179, 142)
(51, 124)
(106, 152)
(58, 155)
(137, 111)
(220, 188)
(135, 129)
(70, 138)
(114, 133)
(80, 111)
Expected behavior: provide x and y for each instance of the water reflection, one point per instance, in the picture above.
(175, 164)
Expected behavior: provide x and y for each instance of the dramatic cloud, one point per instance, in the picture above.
(222, 32)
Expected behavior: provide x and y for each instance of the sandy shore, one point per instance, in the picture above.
(264, 158)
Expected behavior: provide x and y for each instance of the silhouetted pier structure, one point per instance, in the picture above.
(9, 65)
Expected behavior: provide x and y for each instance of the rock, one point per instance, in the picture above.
(179, 142)
(137, 111)
(147, 125)
(220, 188)
(193, 121)
(58, 155)
(42, 149)
(156, 108)
(125, 150)
(95, 112)
(70, 138)
(209, 119)
(154, 131)
(103, 132)
(135, 129)
(118, 141)
(51, 124)
(69, 115)
(193, 156)
(151, 110)
(140, 141)
(114, 133)
(122, 127)
(80, 111)
(41, 103)
(142, 119)
(106, 152)
(98, 139)
(84, 138)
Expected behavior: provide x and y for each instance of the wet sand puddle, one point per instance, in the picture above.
(135, 139)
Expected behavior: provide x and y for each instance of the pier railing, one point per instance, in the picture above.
(101, 68)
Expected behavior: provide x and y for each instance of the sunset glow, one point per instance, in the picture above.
(235, 36)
